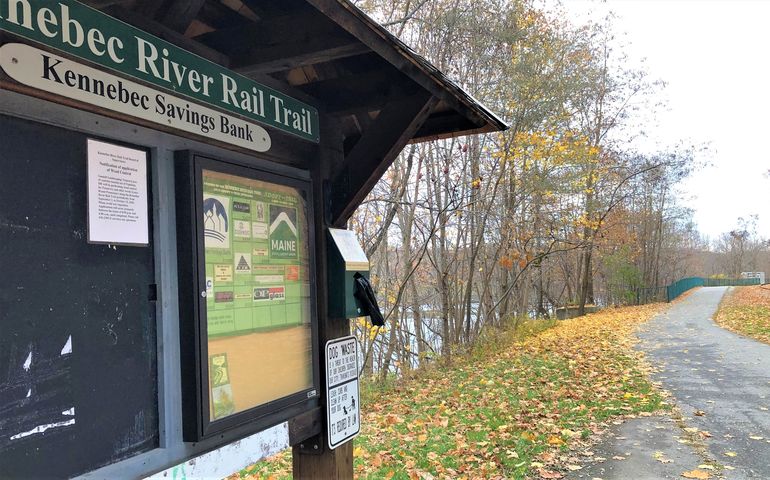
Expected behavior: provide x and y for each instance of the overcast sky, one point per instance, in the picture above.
(715, 58)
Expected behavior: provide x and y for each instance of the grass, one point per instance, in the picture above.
(521, 403)
(746, 310)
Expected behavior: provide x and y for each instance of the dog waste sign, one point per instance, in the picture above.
(342, 401)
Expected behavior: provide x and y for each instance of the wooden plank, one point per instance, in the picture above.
(375, 151)
(358, 93)
(372, 79)
(305, 426)
(180, 13)
(314, 460)
(297, 54)
(168, 34)
(202, 50)
(336, 464)
(431, 133)
(306, 25)
(148, 8)
(446, 122)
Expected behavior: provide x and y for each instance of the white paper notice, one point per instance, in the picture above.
(117, 194)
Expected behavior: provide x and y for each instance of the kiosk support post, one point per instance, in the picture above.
(312, 459)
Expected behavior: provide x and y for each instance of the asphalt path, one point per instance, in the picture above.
(720, 381)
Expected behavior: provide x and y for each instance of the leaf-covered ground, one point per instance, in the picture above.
(746, 310)
(516, 409)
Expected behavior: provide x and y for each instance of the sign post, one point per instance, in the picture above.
(343, 413)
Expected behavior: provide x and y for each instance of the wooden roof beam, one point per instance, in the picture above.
(441, 124)
(180, 13)
(174, 14)
(378, 147)
(201, 50)
(172, 36)
(358, 93)
(269, 32)
(286, 56)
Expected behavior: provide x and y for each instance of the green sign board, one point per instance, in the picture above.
(257, 301)
(79, 30)
(255, 256)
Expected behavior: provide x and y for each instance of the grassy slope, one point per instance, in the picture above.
(746, 310)
(510, 410)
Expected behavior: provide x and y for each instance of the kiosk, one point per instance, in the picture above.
(170, 173)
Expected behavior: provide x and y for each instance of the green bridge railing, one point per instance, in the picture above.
(680, 286)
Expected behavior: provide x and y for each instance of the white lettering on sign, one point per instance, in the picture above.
(343, 413)
(79, 30)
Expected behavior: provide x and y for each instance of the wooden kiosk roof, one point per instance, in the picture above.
(381, 94)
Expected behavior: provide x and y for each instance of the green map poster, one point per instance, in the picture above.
(255, 255)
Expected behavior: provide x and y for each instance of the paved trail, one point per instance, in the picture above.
(721, 383)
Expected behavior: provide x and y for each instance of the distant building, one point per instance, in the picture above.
(759, 275)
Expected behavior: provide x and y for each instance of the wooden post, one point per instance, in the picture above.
(312, 458)
(334, 464)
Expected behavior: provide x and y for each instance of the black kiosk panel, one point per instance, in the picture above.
(78, 361)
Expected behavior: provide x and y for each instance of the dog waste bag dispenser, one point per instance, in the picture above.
(350, 293)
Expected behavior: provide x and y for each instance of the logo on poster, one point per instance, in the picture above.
(283, 232)
(216, 231)
(243, 264)
(241, 207)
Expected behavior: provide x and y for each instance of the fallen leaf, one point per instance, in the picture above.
(699, 474)
(756, 437)
(731, 454)
(548, 474)
(391, 419)
(706, 467)
(547, 457)
(554, 440)
(699, 413)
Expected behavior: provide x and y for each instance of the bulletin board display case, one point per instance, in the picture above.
(252, 332)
